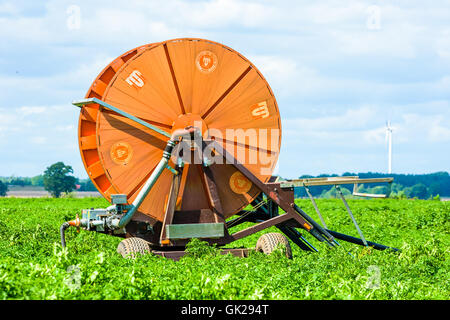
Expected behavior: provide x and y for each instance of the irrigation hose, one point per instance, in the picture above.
(62, 230)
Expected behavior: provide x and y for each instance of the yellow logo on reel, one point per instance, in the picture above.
(260, 110)
(239, 183)
(206, 61)
(121, 153)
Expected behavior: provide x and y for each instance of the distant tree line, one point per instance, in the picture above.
(56, 179)
(421, 186)
(84, 184)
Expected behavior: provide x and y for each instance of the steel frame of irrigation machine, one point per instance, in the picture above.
(277, 195)
(169, 238)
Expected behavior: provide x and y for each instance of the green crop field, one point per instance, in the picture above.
(34, 266)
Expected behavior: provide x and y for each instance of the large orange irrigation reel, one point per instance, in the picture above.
(180, 136)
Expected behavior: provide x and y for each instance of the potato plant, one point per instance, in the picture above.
(33, 265)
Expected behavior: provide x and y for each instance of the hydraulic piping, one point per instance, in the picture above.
(117, 222)
(62, 230)
(154, 176)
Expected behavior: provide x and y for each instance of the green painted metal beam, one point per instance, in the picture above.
(195, 230)
(83, 102)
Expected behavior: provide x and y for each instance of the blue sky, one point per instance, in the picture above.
(339, 71)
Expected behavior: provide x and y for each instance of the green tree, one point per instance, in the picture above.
(37, 180)
(420, 191)
(396, 187)
(86, 185)
(57, 179)
(379, 190)
(3, 189)
(408, 192)
(332, 193)
(435, 188)
(17, 182)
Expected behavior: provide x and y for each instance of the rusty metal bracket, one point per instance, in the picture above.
(284, 199)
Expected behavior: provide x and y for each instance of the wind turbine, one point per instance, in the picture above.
(389, 142)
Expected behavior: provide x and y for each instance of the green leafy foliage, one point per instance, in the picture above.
(33, 265)
(3, 189)
(86, 185)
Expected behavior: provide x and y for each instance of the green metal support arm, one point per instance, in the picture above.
(81, 103)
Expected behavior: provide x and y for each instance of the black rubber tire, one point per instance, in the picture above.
(268, 242)
(133, 247)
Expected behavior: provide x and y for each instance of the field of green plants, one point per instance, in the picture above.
(33, 264)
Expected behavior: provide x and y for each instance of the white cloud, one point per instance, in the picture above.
(38, 140)
(375, 136)
(281, 72)
(218, 13)
(364, 127)
(442, 43)
(439, 133)
(383, 43)
(326, 13)
(31, 110)
(419, 127)
(69, 127)
(349, 120)
(334, 78)
(61, 87)
(8, 8)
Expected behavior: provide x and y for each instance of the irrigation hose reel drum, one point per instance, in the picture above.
(179, 136)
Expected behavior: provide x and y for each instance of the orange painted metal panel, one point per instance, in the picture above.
(88, 118)
(88, 142)
(95, 170)
(99, 86)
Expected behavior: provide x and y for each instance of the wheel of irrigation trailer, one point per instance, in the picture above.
(131, 247)
(172, 85)
(268, 242)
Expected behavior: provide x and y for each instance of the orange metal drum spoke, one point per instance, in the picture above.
(159, 124)
(245, 145)
(215, 104)
(174, 79)
(119, 104)
(130, 130)
(140, 183)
